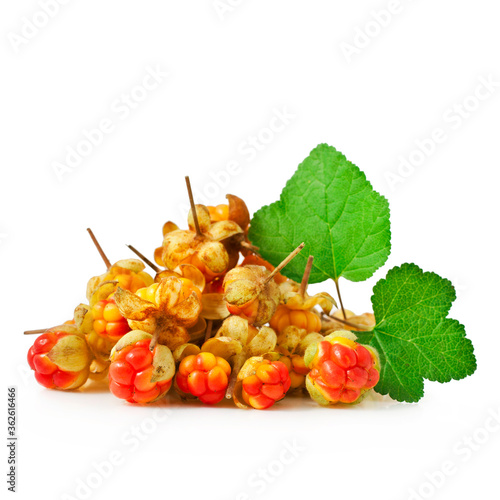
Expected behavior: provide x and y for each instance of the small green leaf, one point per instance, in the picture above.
(328, 204)
(413, 336)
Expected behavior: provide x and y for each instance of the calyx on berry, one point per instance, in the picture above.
(261, 383)
(138, 375)
(206, 251)
(342, 371)
(248, 292)
(61, 358)
(173, 305)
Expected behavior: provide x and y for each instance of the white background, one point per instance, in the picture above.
(228, 74)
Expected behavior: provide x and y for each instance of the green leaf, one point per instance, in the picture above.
(328, 204)
(413, 336)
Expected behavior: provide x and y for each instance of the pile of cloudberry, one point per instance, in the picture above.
(216, 322)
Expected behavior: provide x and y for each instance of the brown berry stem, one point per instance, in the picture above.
(99, 249)
(154, 340)
(277, 269)
(249, 246)
(345, 322)
(35, 332)
(238, 363)
(340, 298)
(193, 207)
(208, 332)
(305, 277)
(154, 267)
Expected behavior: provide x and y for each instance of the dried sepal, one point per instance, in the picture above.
(223, 230)
(235, 210)
(295, 340)
(187, 311)
(253, 341)
(163, 364)
(167, 293)
(82, 317)
(193, 274)
(71, 353)
(238, 211)
(263, 342)
(235, 327)
(306, 302)
(169, 317)
(164, 274)
(148, 325)
(99, 371)
(177, 246)
(172, 336)
(185, 350)
(288, 289)
(92, 285)
(230, 224)
(133, 265)
(133, 307)
(224, 347)
(346, 334)
(290, 338)
(309, 339)
(272, 356)
(80, 380)
(84, 321)
(102, 292)
(249, 273)
(181, 246)
(168, 227)
(214, 256)
(203, 216)
(158, 256)
(241, 292)
(197, 331)
(129, 338)
(66, 328)
(291, 296)
(315, 394)
(214, 306)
